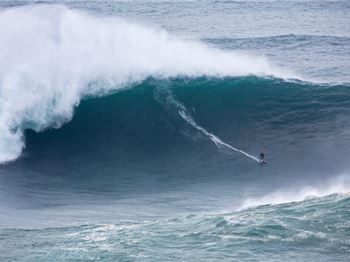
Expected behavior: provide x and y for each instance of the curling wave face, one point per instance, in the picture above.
(52, 57)
(138, 137)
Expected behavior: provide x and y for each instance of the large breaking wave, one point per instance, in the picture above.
(303, 128)
(52, 57)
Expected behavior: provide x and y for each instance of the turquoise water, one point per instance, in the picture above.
(129, 130)
(314, 228)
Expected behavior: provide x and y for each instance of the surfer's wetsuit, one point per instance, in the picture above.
(262, 155)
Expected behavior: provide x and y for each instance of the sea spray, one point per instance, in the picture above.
(339, 184)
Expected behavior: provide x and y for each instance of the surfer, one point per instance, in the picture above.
(262, 158)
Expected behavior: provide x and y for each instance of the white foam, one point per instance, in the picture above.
(51, 57)
(336, 185)
(216, 140)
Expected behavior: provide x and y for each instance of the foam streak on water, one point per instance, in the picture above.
(217, 141)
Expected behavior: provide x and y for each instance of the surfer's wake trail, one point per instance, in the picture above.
(217, 141)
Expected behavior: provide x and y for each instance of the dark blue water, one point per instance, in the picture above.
(129, 130)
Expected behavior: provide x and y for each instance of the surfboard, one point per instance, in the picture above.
(262, 162)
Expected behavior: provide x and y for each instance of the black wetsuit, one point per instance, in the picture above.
(262, 155)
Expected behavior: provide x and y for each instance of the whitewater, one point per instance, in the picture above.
(217, 141)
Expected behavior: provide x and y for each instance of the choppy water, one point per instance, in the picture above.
(315, 228)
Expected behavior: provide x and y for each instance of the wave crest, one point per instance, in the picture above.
(336, 185)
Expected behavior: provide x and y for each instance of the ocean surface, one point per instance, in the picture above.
(131, 130)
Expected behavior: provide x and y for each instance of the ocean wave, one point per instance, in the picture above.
(288, 120)
(336, 185)
(54, 56)
(288, 38)
(320, 223)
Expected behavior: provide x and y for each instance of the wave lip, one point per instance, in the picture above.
(337, 185)
(54, 56)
